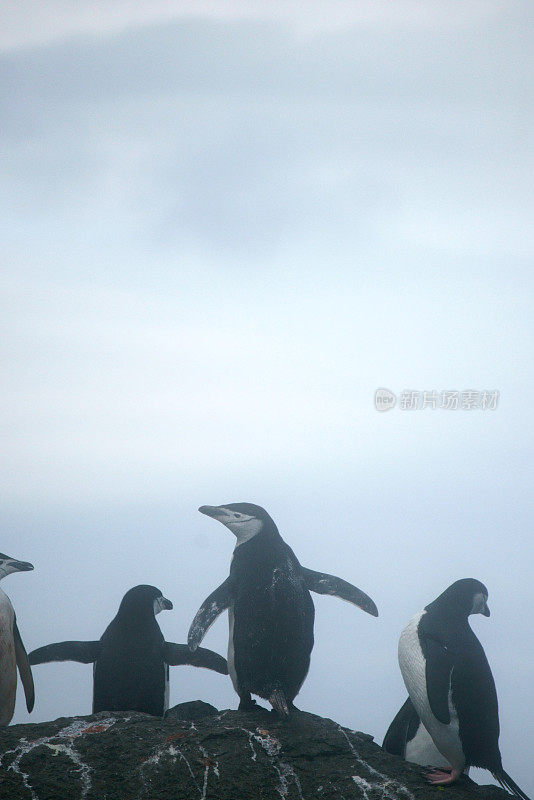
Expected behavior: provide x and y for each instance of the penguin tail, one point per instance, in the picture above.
(510, 785)
(279, 702)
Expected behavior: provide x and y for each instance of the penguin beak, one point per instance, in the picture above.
(20, 566)
(485, 610)
(162, 604)
(216, 512)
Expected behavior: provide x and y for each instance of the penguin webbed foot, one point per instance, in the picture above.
(442, 777)
(246, 703)
(432, 768)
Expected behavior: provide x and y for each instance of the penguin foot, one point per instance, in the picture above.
(441, 777)
(246, 703)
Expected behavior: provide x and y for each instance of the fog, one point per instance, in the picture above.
(223, 231)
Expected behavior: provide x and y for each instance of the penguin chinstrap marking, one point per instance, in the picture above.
(270, 609)
(12, 652)
(451, 686)
(131, 659)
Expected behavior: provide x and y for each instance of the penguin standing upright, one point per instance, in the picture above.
(12, 652)
(450, 683)
(270, 609)
(131, 659)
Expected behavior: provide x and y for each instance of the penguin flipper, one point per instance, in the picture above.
(217, 602)
(24, 667)
(510, 785)
(176, 654)
(322, 583)
(84, 652)
(438, 669)
(402, 729)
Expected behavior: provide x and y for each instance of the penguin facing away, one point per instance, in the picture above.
(12, 652)
(270, 609)
(451, 686)
(131, 659)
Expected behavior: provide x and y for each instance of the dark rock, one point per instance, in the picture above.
(197, 752)
(194, 709)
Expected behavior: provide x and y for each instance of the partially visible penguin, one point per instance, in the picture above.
(131, 660)
(451, 686)
(408, 738)
(271, 612)
(12, 652)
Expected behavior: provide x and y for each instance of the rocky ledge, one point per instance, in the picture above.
(199, 752)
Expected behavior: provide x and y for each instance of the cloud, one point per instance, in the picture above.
(238, 141)
(27, 24)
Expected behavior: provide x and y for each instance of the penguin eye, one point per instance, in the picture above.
(238, 516)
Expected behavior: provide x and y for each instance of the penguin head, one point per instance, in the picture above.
(143, 600)
(466, 596)
(8, 565)
(245, 520)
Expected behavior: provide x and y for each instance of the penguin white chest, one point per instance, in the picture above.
(412, 663)
(8, 663)
(422, 750)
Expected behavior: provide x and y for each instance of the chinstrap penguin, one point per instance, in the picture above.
(270, 609)
(451, 686)
(131, 659)
(12, 652)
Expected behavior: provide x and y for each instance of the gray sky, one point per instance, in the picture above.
(223, 229)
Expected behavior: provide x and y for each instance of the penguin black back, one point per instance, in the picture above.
(473, 689)
(131, 659)
(454, 692)
(130, 672)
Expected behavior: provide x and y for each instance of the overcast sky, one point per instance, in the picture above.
(225, 225)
